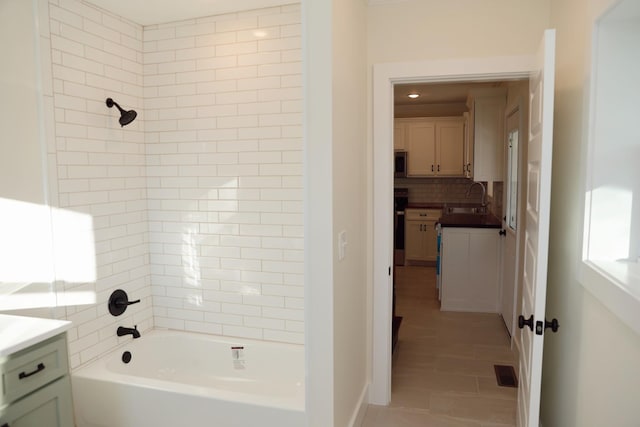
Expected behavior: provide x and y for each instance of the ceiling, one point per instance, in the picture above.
(436, 99)
(150, 12)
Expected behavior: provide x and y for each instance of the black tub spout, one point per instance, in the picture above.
(128, 331)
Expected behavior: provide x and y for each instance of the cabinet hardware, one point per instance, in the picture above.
(502, 232)
(522, 322)
(438, 168)
(27, 375)
(431, 168)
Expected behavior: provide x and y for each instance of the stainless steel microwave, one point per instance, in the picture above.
(400, 164)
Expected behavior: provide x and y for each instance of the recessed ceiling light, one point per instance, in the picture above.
(413, 95)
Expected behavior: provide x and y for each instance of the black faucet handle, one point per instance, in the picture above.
(119, 301)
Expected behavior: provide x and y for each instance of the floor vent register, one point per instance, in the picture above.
(506, 376)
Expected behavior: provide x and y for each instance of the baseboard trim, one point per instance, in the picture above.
(361, 408)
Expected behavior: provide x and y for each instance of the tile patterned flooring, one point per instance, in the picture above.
(443, 372)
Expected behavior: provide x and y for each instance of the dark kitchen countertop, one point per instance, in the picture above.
(470, 221)
(425, 205)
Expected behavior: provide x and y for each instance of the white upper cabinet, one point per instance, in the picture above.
(399, 130)
(434, 145)
(486, 134)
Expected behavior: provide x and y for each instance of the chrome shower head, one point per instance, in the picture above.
(126, 117)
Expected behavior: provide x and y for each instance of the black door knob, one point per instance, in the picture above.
(522, 321)
(554, 325)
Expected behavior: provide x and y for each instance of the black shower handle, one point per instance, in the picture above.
(119, 301)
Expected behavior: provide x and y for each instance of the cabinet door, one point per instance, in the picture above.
(430, 241)
(413, 241)
(399, 128)
(454, 268)
(488, 138)
(468, 145)
(50, 406)
(484, 268)
(450, 148)
(420, 143)
(470, 270)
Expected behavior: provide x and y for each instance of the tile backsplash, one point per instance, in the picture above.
(439, 190)
(449, 190)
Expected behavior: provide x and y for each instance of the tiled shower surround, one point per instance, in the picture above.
(224, 173)
(197, 204)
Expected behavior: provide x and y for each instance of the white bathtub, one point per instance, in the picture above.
(185, 379)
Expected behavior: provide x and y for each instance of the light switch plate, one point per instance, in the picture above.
(342, 243)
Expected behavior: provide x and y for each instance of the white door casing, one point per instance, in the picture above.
(385, 75)
(510, 243)
(540, 147)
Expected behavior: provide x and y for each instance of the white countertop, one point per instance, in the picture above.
(20, 332)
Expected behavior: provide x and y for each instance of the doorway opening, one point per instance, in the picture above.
(386, 77)
(443, 354)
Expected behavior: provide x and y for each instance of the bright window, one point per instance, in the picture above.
(612, 200)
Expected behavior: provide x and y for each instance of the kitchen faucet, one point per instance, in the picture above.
(128, 331)
(484, 192)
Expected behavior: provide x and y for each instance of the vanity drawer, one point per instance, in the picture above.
(32, 368)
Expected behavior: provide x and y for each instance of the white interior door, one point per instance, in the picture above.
(509, 220)
(541, 87)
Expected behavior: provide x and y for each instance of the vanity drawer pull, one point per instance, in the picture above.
(38, 369)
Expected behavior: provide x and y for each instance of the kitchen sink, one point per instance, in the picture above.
(466, 210)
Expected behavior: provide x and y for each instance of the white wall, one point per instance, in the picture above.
(21, 174)
(25, 218)
(223, 122)
(590, 371)
(335, 134)
(101, 166)
(351, 346)
(318, 212)
(428, 29)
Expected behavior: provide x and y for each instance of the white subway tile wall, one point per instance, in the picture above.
(196, 206)
(97, 168)
(223, 132)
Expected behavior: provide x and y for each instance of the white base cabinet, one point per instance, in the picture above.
(420, 234)
(470, 265)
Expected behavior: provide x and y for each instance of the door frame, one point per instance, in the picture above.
(522, 111)
(385, 76)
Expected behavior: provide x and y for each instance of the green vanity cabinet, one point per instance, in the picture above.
(36, 389)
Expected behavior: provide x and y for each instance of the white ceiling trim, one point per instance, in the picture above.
(151, 12)
(378, 2)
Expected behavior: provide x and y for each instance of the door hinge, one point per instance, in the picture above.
(389, 271)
